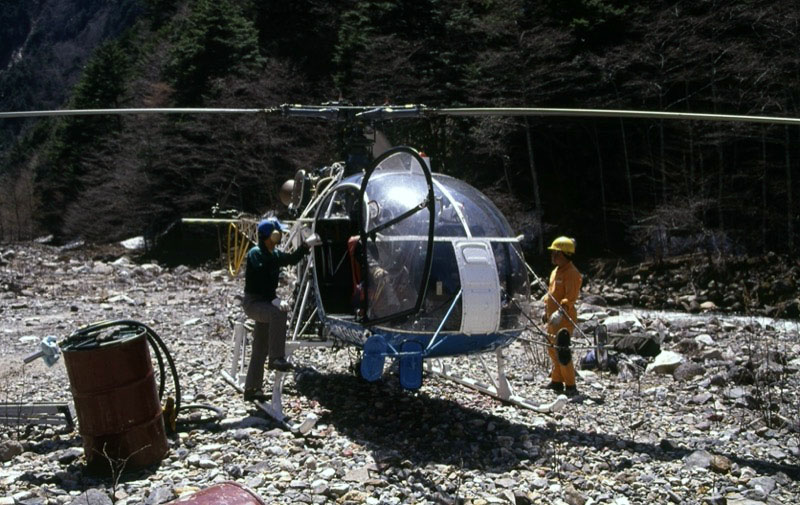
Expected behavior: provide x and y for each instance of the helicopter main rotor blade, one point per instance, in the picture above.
(382, 113)
(330, 112)
(638, 114)
(99, 112)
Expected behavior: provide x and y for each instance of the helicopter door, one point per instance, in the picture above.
(480, 289)
(396, 235)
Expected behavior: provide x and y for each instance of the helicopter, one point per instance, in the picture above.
(413, 266)
(427, 265)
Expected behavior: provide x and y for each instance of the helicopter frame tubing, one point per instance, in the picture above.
(235, 376)
(241, 234)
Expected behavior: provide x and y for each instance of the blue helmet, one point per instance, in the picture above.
(267, 226)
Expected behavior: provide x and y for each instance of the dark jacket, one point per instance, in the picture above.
(263, 269)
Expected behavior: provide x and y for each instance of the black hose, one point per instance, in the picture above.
(219, 414)
(84, 337)
(160, 361)
(152, 336)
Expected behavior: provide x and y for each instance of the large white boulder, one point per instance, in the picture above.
(623, 322)
(134, 243)
(666, 362)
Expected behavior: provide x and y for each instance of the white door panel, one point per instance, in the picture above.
(480, 289)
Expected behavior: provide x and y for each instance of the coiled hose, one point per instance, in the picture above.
(91, 335)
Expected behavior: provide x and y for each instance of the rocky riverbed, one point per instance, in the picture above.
(767, 285)
(713, 420)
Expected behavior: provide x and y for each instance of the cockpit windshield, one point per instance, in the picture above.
(390, 265)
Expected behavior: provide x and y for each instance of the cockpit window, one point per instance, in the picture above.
(397, 228)
(342, 203)
(396, 194)
(479, 214)
(449, 222)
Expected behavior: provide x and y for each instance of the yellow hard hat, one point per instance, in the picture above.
(563, 244)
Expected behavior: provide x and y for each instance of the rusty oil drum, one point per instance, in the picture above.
(224, 493)
(114, 390)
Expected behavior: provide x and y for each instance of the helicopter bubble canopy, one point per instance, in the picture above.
(409, 279)
(398, 185)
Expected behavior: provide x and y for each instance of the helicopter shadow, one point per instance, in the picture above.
(398, 426)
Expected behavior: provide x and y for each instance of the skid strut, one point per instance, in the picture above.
(498, 386)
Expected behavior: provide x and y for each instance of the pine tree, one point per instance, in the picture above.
(217, 40)
(102, 86)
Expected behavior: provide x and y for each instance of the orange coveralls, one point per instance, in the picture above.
(565, 286)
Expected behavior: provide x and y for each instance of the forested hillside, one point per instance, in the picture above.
(619, 186)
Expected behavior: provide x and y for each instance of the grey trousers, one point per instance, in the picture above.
(269, 337)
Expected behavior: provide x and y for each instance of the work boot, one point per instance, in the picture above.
(571, 391)
(280, 364)
(554, 386)
(255, 395)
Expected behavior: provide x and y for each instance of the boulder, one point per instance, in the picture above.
(711, 355)
(596, 300)
(720, 464)
(666, 362)
(134, 243)
(704, 339)
(102, 268)
(687, 371)
(738, 499)
(698, 459)
(9, 450)
(765, 484)
(708, 305)
(623, 322)
(701, 398)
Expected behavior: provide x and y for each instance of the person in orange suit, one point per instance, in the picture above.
(562, 294)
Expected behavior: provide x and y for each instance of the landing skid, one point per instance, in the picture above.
(499, 387)
(235, 376)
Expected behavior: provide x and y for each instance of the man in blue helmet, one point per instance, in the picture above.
(262, 304)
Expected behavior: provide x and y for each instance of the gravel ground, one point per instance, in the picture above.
(701, 433)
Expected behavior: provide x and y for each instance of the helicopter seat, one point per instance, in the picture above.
(357, 298)
(331, 260)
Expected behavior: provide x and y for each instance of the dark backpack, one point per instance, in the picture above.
(640, 344)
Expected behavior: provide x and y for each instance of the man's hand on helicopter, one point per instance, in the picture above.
(313, 240)
(282, 305)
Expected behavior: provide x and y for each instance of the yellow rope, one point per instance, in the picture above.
(238, 243)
